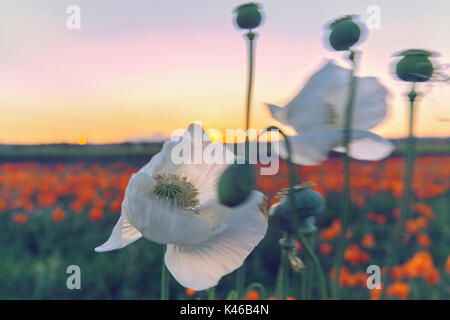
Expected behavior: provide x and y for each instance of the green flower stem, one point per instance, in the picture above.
(293, 182)
(305, 279)
(240, 273)
(346, 202)
(405, 201)
(211, 293)
(304, 283)
(281, 287)
(165, 278)
(308, 274)
(240, 281)
(319, 270)
(250, 36)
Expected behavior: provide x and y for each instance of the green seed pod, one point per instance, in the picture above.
(248, 16)
(415, 66)
(307, 225)
(309, 203)
(280, 217)
(236, 184)
(344, 33)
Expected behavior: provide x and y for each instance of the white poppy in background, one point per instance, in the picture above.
(175, 204)
(317, 113)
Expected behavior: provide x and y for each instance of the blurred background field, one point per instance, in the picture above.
(57, 203)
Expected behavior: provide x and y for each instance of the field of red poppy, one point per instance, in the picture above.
(53, 215)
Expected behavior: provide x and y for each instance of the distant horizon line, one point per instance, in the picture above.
(162, 141)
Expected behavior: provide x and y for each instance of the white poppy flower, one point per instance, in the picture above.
(317, 113)
(176, 204)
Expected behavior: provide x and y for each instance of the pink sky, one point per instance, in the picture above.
(118, 78)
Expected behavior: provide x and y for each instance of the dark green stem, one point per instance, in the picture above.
(346, 202)
(405, 201)
(240, 273)
(165, 279)
(308, 274)
(240, 280)
(305, 279)
(320, 273)
(211, 293)
(283, 275)
(250, 36)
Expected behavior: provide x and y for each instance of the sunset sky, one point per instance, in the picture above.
(140, 67)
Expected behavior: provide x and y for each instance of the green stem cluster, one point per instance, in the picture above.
(293, 181)
(282, 284)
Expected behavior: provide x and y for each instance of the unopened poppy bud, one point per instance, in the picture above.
(415, 66)
(345, 33)
(235, 184)
(248, 16)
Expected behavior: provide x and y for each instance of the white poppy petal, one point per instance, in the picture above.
(368, 146)
(313, 147)
(308, 110)
(196, 158)
(161, 222)
(122, 235)
(369, 107)
(201, 266)
(309, 148)
(204, 176)
(278, 113)
(213, 214)
(159, 160)
(158, 219)
(323, 100)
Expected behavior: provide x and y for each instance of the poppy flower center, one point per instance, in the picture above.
(177, 190)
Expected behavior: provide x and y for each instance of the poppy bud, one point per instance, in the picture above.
(344, 33)
(309, 203)
(248, 16)
(415, 66)
(236, 184)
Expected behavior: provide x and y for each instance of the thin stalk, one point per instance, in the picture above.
(240, 273)
(281, 285)
(250, 36)
(308, 285)
(293, 182)
(211, 293)
(165, 278)
(404, 213)
(305, 280)
(346, 203)
(320, 273)
(240, 280)
(405, 201)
